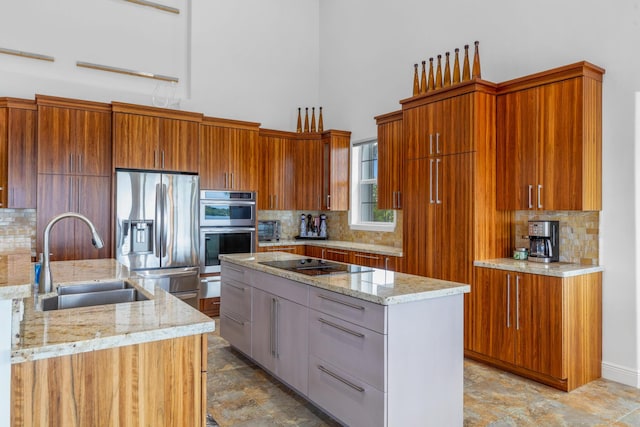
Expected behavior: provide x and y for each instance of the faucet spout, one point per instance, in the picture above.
(46, 281)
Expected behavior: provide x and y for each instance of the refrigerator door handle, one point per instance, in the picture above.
(165, 223)
(158, 221)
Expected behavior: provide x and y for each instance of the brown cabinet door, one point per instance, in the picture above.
(561, 145)
(418, 123)
(277, 171)
(516, 150)
(215, 144)
(336, 167)
(178, 145)
(390, 165)
(56, 151)
(455, 119)
(135, 141)
(244, 160)
(539, 324)
(21, 158)
(340, 255)
(308, 171)
(314, 251)
(91, 139)
(93, 195)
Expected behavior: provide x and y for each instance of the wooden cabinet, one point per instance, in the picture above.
(155, 138)
(235, 307)
(292, 249)
(336, 170)
(229, 155)
(277, 170)
(315, 251)
(74, 137)
(390, 160)
(549, 140)
(449, 204)
(546, 328)
(309, 172)
(18, 148)
(368, 259)
(125, 386)
(210, 306)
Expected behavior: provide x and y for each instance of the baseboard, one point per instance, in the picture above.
(621, 374)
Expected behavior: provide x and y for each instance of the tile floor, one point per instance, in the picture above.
(241, 395)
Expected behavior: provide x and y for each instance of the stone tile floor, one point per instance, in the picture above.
(241, 395)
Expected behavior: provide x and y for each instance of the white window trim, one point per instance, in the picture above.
(354, 224)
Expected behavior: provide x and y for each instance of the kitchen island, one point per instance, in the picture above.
(116, 364)
(372, 348)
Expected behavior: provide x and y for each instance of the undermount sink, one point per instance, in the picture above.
(94, 293)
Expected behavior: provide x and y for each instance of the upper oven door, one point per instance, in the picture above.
(225, 213)
(216, 241)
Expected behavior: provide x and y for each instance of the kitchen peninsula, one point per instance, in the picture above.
(115, 364)
(369, 346)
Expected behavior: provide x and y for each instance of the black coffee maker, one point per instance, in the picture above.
(544, 241)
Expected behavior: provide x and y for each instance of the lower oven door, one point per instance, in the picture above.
(216, 241)
(190, 298)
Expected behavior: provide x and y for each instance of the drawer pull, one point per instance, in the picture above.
(234, 286)
(233, 319)
(342, 380)
(233, 269)
(342, 328)
(357, 307)
(367, 256)
(329, 251)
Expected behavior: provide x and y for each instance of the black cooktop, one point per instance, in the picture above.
(316, 267)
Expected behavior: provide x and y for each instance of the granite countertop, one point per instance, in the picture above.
(339, 244)
(378, 286)
(40, 335)
(556, 269)
(16, 276)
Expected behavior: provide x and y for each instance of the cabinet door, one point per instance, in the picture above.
(340, 255)
(560, 164)
(539, 323)
(21, 159)
(56, 152)
(308, 171)
(455, 118)
(244, 160)
(91, 137)
(55, 196)
(215, 143)
(492, 327)
(277, 172)
(178, 145)
(314, 251)
(135, 141)
(516, 152)
(454, 195)
(336, 164)
(263, 340)
(292, 349)
(390, 165)
(93, 195)
(417, 128)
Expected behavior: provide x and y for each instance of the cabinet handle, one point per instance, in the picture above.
(399, 204)
(508, 300)
(234, 286)
(233, 319)
(331, 251)
(322, 254)
(79, 190)
(79, 162)
(438, 201)
(70, 194)
(342, 380)
(530, 190)
(517, 303)
(437, 143)
(328, 201)
(225, 180)
(393, 202)
(430, 143)
(431, 201)
(276, 304)
(275, 205)
(366, 256)
(162, 159)
(231, 180)
(271, 328)
(1, 189)
(70, 162)
(341, 328)
(354, 306)
(539, 196)
(155, 158)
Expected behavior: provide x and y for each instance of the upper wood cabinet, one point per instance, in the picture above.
(277, 170)
(336, 170)
(390, 160)
(549, 140)
(74, 137)
(18, 158)
(309, 172)
(155, 138)
(229, 155)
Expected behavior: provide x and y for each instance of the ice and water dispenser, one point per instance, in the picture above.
(137, 236)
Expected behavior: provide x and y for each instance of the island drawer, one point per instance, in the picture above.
(234, 272)
(352, 401)
(235, 297)
(354, 349)
(236, 330)
(354, 310)
(279, 286)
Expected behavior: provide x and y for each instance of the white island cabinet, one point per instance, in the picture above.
(376, 348)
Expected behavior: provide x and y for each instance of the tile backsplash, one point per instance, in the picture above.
(18, 231)
(579, 233)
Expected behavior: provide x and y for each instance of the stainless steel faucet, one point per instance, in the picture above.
(46, 281)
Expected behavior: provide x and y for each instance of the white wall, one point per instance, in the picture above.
(259, 60)
(367, 52)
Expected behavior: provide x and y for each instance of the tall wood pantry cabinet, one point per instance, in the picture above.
(277, 170)
(549, 150)
(18, 156)
(390, 160)
(74, 174)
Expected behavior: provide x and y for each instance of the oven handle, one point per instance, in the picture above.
(219, 230)
(225, 202)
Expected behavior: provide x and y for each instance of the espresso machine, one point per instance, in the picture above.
(544, 241)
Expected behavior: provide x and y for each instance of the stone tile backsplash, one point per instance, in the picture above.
(579, 233)
(18, 231)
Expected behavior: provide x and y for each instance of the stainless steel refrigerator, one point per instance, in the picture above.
(157, 229)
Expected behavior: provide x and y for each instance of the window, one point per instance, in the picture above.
(365, 214)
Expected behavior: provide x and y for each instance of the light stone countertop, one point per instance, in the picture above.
(379, 286)
(42, 335)
(16, 276)
(556, 269)
(338, 244)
